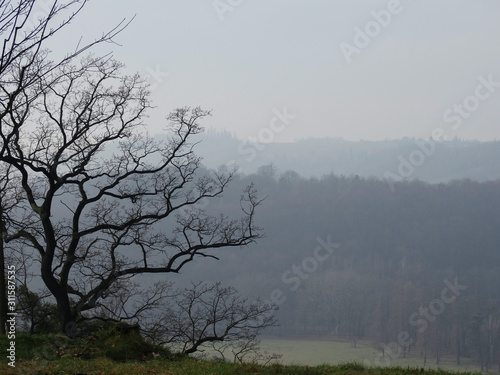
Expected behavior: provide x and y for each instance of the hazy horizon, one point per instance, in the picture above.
(370, 70)
(216, 131)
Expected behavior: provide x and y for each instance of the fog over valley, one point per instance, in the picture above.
(229, 186)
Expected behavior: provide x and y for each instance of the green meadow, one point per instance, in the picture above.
(316, 352)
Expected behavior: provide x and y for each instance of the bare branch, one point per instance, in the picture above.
(208, 313)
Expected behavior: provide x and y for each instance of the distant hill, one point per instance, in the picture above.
(398, 159)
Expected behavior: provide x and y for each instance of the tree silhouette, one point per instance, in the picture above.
(96, 191)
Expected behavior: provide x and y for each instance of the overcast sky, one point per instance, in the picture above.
(356, 70)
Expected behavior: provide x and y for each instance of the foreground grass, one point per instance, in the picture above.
(118, 351)
(189, 366)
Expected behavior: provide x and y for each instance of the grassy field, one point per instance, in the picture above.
(316, 352)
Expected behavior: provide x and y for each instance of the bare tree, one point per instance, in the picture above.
(97, 191)
(211, 313)
(25, 27)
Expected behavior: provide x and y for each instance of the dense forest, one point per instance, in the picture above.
(418, 266)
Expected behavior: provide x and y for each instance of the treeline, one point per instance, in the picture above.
(426, 160)
(418, 266)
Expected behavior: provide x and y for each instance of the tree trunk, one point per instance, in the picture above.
(66, 316)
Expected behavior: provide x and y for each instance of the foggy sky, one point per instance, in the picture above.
(427, 65)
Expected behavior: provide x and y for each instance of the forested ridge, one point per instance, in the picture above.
(423, 159)
(398, 251)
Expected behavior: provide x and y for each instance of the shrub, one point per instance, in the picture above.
(118, 342)
(123, 342)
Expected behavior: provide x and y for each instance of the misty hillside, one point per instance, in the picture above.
(398, 250)
(405, 158)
